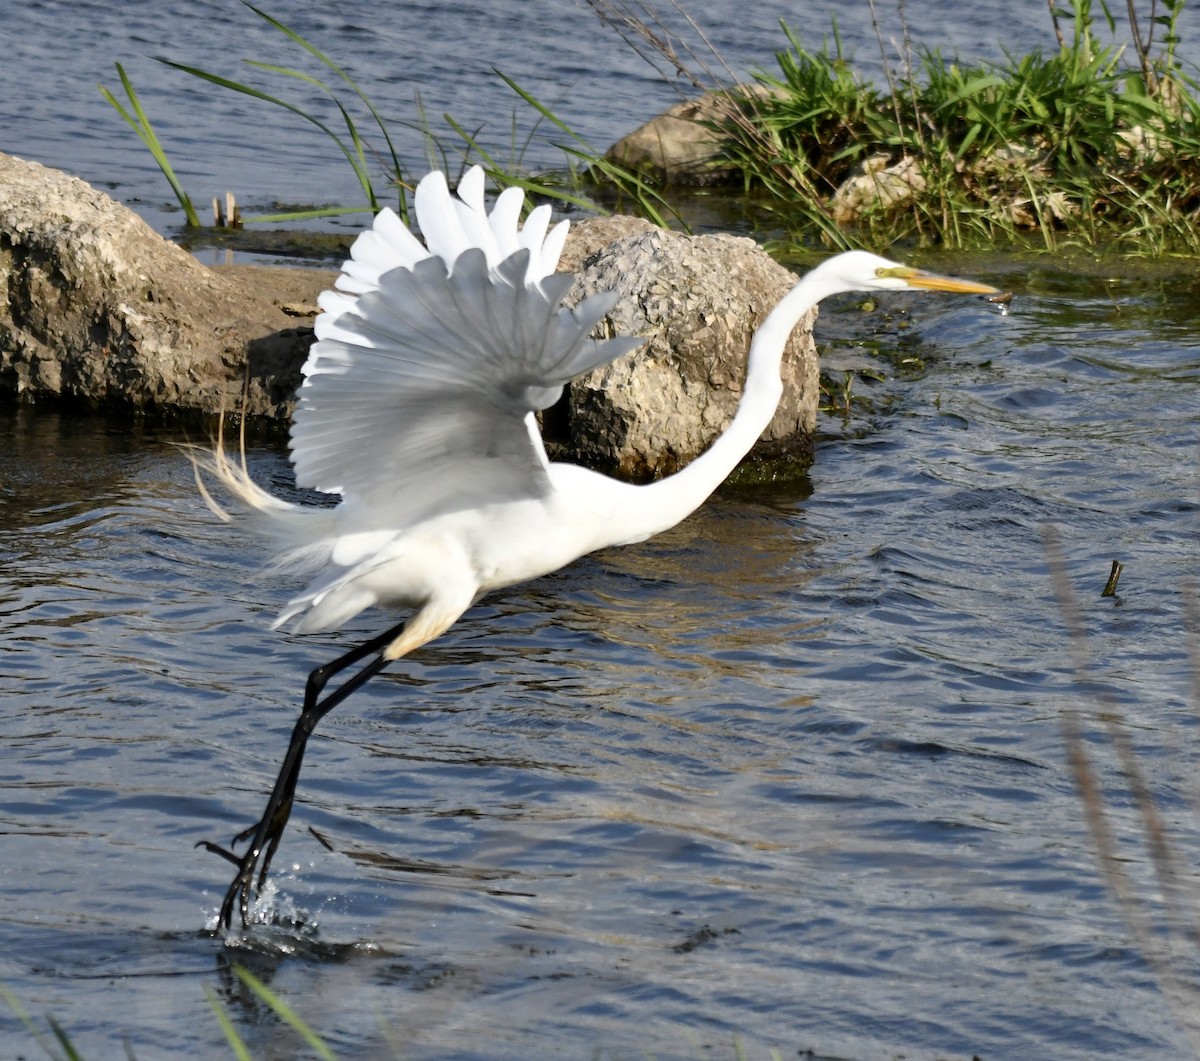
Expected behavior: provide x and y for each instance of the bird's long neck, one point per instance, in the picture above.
(670, 500)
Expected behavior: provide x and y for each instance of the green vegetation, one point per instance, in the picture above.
(1077, 147)
(1082, 147)
(138, 120)
(351, 143)
(281, 1009)
(60, 1047)
(377, 161)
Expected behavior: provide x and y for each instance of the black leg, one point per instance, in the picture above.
(264, 836)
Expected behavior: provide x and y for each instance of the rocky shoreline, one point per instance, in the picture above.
(96, 307)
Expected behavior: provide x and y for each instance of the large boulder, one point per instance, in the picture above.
(688, 144)
(699, 301)
(95, 305)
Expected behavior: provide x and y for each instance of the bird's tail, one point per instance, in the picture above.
(302, 533)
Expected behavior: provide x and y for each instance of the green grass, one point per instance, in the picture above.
(139, 121)
(350, 141)
(58, 1046)
(1075, 147)
(365, 142)
(1081, 147)
(280, 1008)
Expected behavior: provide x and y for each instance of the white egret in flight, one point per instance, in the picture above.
(417, 410)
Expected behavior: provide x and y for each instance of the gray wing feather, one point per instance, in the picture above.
(415, 399)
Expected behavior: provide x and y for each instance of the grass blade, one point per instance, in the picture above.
(285, 1013)
(231, 1034)
(257, 93)
(30, 1025)
(321, 57)
(140, 123)
(648, 199)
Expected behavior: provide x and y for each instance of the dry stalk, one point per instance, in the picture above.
(646, 33)
(1142, 47)
(906, 56)
(1167, 938)
(1057, 28)
(640, 27)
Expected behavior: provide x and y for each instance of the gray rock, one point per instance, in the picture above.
(688, 144)
(699, 300)
(97, 306)
(591, 234)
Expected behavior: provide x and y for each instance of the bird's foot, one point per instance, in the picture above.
(254, 863)
(227, 852)
(263, 837)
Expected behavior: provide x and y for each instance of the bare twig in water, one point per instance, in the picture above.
(1057, 28)
(893, 91)
(1114, 576)
(1142, 47)
(1191, 614)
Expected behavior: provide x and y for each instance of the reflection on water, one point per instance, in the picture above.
(790, 775)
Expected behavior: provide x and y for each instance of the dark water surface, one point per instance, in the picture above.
(789, 777)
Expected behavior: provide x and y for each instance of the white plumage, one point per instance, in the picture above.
(418, 399)
(417, 410)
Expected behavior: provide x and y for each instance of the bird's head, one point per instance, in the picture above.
(863, 271)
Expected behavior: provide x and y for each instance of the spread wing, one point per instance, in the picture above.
(431, 359)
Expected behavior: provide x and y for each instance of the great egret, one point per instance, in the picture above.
(417, 409)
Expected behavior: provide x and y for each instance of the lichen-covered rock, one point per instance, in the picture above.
(685, 144)
(698, 300)
(877, 186)
(96, 305)
(591, 234)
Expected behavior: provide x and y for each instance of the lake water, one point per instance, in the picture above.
(790, 777)
(414, 58)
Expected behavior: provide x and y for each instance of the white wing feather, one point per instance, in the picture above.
(505, 219)
(417, 394)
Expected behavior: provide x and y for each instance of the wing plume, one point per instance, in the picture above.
(431, 356)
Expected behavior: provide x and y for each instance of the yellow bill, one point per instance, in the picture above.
(935, 282)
